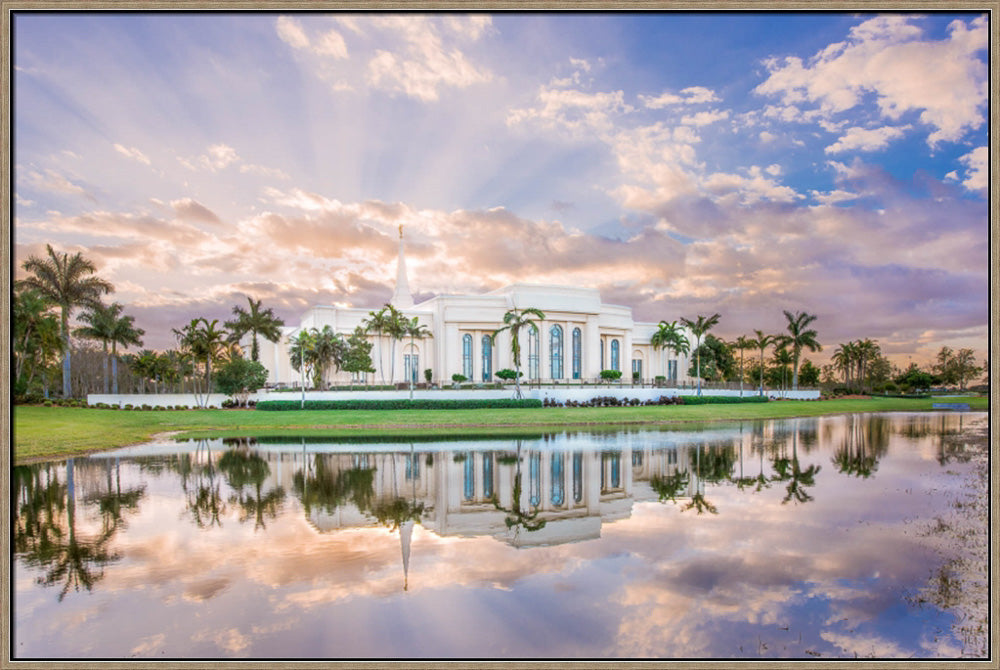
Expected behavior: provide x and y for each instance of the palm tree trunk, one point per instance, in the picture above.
(795, 372)
(106, 368)
(66, 363)
(114, 370)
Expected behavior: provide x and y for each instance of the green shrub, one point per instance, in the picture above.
(499, 403)
(611, 375)
(458, 379)
(721, 399)
(47, 403)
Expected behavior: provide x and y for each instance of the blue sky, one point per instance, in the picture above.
(683, 164)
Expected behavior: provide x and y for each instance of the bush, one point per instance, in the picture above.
(291, 405)
(458, 379)
(428, 375)
(509, 375)
(611, 375)
(47, 403)
(720, 399)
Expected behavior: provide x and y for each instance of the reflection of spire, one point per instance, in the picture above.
(405, 534)
(401, 297)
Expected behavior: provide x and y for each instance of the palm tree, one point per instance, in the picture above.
(65, 281)
(100, 320)
(743, 343)
(844, 358)
(698, 328)
(256, 321)
(799, 337)
(782, 357)
(415, 331)
(866, 351)
(396, 330)
(327, 349)
(669, 336)
(514, 321)
(123, 332)
(300, 354)
(35, 332)
(204, 341)
(378, 323)
(762, 342)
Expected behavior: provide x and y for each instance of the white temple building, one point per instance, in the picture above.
(579, 337)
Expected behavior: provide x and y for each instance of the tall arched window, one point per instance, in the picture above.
(488, 474)
(615, 356)
(467, 356)
(577, 352)
(487, 358)
(535, 479)
(556, 352)
(532, 353)
(558, 495)
(577, 476)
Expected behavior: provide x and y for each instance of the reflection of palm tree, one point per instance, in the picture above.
(518, 518)
(65, 556)
(245, 468)
(205, 502)
(670, 486)
(791, 471)
(328, 489)
(858, 453)
(698, 501)
(114, 502)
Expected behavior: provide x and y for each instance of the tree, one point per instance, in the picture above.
(257, 322)
(204, 341)
(963, 367)
(357, 354)
(800, 336)
(844, 358)
(240, 377)
(65, 281)
(743, 343)
(385, 321)
(123, 332)
(35, 336)
(514, 321)
(698, 328)
(809, 373)
(671, 337)
(415, 331)
(327, 350)
(717, 361)
(782, 359)
(762, 342)
(100, 325)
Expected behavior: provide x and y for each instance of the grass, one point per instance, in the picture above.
(54, 432)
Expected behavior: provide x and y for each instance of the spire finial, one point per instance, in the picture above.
(400, 231)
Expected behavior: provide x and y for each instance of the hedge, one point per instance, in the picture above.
(500, 403)
(720, 399)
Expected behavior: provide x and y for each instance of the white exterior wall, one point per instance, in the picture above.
(450, 317)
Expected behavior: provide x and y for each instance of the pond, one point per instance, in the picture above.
(802, 538)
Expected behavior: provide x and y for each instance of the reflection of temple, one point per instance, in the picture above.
(467, 489)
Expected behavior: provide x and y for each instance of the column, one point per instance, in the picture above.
(591, 348)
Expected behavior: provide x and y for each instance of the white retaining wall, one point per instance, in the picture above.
(552, 393)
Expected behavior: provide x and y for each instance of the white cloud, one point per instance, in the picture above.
(133, 153)
(217, 157)
(976, 169)
(944, 80)
(689, 96)
(424, 63)
(864, 139)
(291, 32)
(705, 118)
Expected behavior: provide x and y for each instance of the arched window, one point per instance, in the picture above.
(469, 479)
(615, 357)
(488, 474)
(487, 358)
(556, 352)
(558, 494)
(577, 477)
(467, 356)
(532, 353)
(577, 352)
(535, 479)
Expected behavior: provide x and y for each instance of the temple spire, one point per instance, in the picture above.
(401, 297)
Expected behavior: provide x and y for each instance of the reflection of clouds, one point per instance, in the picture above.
(230, 641)
(148, 645)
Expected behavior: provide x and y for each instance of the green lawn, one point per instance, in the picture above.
(53, 432)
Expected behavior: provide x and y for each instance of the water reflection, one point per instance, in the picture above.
(551, 499)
